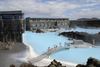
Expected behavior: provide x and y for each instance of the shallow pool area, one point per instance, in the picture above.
(77, 55)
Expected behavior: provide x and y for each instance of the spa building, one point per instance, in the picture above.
(11, 26)
(46, 23)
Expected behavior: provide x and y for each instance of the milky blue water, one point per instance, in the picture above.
(78, 55)
(41, 41)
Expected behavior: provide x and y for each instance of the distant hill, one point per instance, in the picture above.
(88, 18)
(86, 22)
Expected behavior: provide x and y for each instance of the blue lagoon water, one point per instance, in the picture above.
(77, 55)
(41, 41)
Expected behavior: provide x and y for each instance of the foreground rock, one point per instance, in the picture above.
(91, 62)
(54, 63)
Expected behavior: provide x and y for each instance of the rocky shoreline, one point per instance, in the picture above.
(53, 63)
(91, 62)
(90, 38)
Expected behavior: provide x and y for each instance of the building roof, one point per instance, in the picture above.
(49, 18)
(11, 12)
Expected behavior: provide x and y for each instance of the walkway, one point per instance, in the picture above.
(57, 49)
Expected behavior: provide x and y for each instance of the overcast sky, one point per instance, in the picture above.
(72, 9)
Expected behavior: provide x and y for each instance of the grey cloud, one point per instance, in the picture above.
(52, 8)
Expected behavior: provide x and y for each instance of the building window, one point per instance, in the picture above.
(7, 17)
